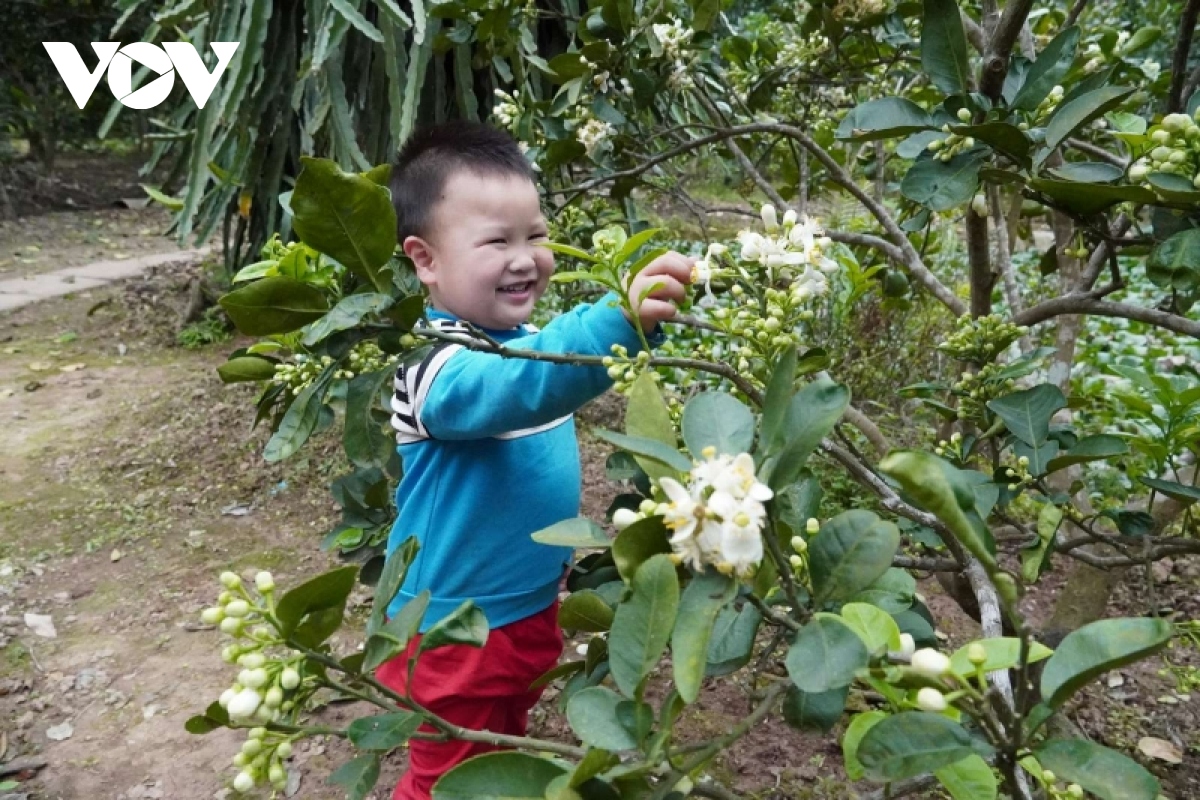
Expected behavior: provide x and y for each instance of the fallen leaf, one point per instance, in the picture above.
(40, 366)
(236, 510)
(1160, 749)
(116, 555)
(57, 733)
(42, 625)
(72, 367)
(6, 393)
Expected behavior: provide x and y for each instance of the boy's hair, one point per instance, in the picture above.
(431, 155)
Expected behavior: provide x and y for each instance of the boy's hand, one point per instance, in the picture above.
(672, 271)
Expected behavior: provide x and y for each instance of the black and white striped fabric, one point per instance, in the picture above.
(412, 381)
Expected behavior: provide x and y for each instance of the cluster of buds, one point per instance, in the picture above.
(1175, 151)
(1057, 791)
(795, 50)
(274, 249)
(625, 370)
(607, 242)
(981, 339)
(717, 519)
(793, 251)
(1018, 476)
(266, 688)
(952, 449)
(366, 357)
(507, 110)
(593, 134)
(673, 36)
(947, 148)
(854, 10)
(931, 664)
(799, 557)
(976, 389)
(297, 375)
(1045, 108)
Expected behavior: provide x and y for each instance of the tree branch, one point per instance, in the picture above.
(1087, 303)
(995, 60)
(1183, 47)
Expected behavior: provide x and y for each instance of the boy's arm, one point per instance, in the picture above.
(474, 395)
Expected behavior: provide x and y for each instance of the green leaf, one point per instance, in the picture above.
(1097, 648)
(825, 655)
(874, 626)
(1090, 198)
(1175, 189)
(356, 19)
(1175, 264)
(717, 419)
(324, 593)
(1090, 448)
(884, 118)
(274, 305)
(1141, 39)
(777, 400)
(347, 217)
(1027, 413)
(1001, 136)
(298, 422)
(585, 610)
(1002, 653)
(367, 444)
(940, 489)
(915, 743)
(732, 640)
(504, 775)
(1033, 558)
(1176, 491)
(572, 251)
(1048, 71)
(637, 543)
(384, 731)
(643, 623)
(464, 625)
(579, 532)
(893, 591)
(647, 417)
(246, 368)
(1103, 772)
(1089, 172)
(969, 779)
(850, 553)
(1079, 111)
(357, 776)
(943, 185)
(395, 569)
(638, 446)
(810, 417)
(944, 47)
(1039, 457)
(634, 243)
(393, 637)
(592, 713)
(808, 711)
(699, 606)
(172, 203)
(855, 731)
(348, 313)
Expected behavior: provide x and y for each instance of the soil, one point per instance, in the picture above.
(129, 478)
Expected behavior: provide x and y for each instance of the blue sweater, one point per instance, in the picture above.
(490, 456)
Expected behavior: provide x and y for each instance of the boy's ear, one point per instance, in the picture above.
(422, 255)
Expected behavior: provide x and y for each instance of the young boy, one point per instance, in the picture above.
(488, 443)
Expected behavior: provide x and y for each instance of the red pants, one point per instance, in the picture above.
(482, 688)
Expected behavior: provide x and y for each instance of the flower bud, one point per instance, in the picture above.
(1160, 136)
(964, 115)
(796, 561)
(907, 646)
(1160, 153)
(212, 616)
(265, 582)
(240, 760)
(789, 218)
(257, 733)
(812, 527)
(231, 626)
(1177, 122)
(799, 545)
(930, 663)
(223, 598)
(1048, 776)
(252, 747)
(244, 782)
(265, 714)
(252, 660)
(977, 654)
(230, 580)
(274, 697)
(289, 679)
(623, 518)
(237, 608)
(1075, 790)
(647, 506)
(231, 653)
(276, 774)
(284, 750)
(253, 678)
(225, 697)
(243, 704)
(930, 699)
(979, 205)
(615, 372)
(770, 220)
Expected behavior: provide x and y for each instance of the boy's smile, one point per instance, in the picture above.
(483, 260)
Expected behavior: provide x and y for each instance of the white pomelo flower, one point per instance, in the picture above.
(243, 704)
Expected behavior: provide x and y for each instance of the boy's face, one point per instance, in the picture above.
(483, 260)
